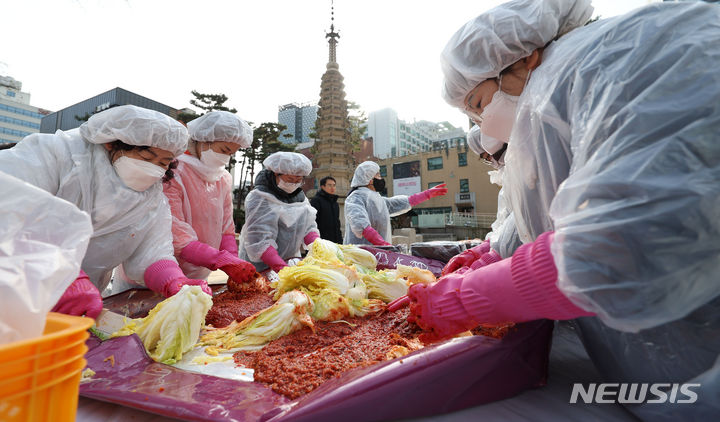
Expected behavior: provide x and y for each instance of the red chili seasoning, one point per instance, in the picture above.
(298, 363)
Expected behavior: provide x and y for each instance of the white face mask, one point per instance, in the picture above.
(498, 116)
(214, 159)
(492, 146)
(288, 187)
(138, 175)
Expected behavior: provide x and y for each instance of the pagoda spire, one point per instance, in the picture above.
(332, 154)
(332, 35)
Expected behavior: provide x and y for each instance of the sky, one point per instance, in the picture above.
(260, 53)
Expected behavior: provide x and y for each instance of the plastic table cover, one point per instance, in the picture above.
(441, 378)
(388, 260)
(569, 364)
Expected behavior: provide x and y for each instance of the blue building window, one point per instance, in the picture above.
(464, 185)
(20, 111)
(462, 159)
(20, 122)
(435, 163)
(13, 132)
(10, 93)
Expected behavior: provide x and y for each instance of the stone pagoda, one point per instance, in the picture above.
(332, 152)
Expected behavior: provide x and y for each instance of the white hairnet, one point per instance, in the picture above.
(292, 163)
(486, 45)
(473, 140)
(364, 173)
(136, 126)
(221, 126)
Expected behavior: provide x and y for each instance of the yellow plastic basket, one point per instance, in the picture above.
(40, 377)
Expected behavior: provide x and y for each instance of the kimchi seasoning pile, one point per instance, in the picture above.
(493, 330)
(239, 302)
(299, 362)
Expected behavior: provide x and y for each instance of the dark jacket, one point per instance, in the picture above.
(265, 182)
(328, 216)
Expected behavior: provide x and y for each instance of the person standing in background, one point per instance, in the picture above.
(328, 210)
(367, 214)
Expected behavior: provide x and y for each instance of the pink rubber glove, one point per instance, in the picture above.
(81, 297)
(202, 254)
(417, 198)
(310, 237)
(228, 243)
(272, 259)
(374, 237)
(166, 278)
(199, 253)
(465, 258)
(517, 289)
(487, 259)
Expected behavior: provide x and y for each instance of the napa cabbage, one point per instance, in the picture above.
(173, 326)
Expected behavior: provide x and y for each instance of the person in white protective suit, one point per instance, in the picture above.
(200, 198)
(112, 167)
(367, 214)
(502, 240)
(613, 177)
(279, 220)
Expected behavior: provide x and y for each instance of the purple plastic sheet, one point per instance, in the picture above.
(442, 378)
(390, 260)
(132, 379)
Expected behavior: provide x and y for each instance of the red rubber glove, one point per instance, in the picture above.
(374, 237)
(228, 243)
(81, 297)
(517, 289)
(241, 271)
(272, 259)
(417, 198)
(310, 238)
(166, 278)
(466, 258)
(199, 253)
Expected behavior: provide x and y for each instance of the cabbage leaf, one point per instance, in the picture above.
(173, 326)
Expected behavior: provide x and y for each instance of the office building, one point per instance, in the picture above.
(18, 118)
(299, 120)
(393, 137)
(73, 116)
(382, 128)
(470, 206)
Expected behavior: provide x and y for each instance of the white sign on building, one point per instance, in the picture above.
(406, 186)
